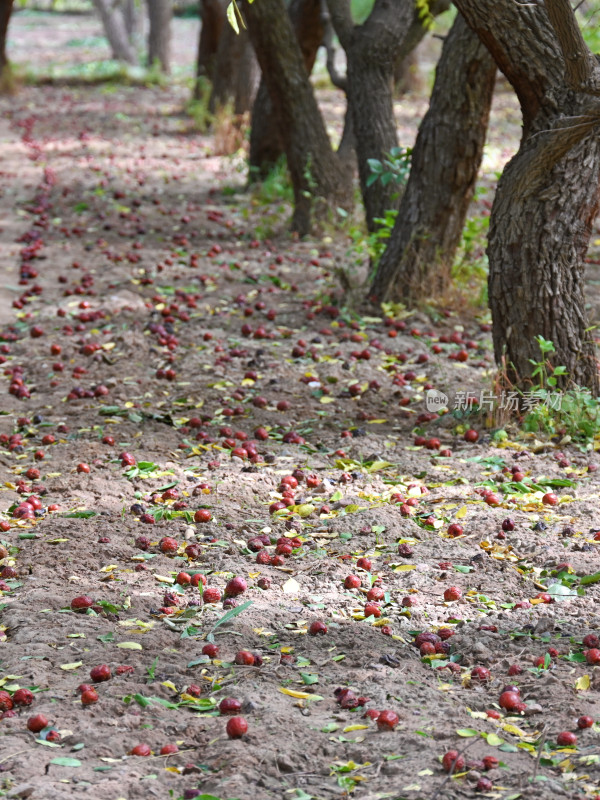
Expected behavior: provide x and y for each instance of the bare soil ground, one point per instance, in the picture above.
(140, 264)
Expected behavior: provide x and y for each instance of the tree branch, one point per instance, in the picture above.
(341, 18)
(338, 80)
(582, 71)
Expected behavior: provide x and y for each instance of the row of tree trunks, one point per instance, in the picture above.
(226, 66)
(391, 32)
(266, 139)
(317, 177)
(445, 162)
(115, 29)
(236, 73)
(120, 22)
(546, 200)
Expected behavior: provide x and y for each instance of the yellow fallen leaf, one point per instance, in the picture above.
(350, 728)
(188, 698)
(291, 586)
(299, 695)
(304, 510)
(169, 685)
(582, 684)
(73, 665)
(461, 513)
(130, 646)
(326, 399)
(128, 623)
(514, 730)
(477, 714)
(376, 421)
(405, 567)
(164, 579)
(109, 568)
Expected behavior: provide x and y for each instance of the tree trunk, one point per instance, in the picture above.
(317, 178)
(113, 23)
(539, 235)
(445, 162)
(546, 200)
(5, 13)
(266, 139)
(236, 72)
(392, 30)
(406, 75)
(160, 13)
(213, 13)
(132, 19)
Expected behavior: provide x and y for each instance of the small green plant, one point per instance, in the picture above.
(197, 108)
(275, 187)
(395, 167)
(377, 241)
(546, 374)
(573, 413)
(471, 259)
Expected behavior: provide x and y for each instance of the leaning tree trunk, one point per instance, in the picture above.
(213, 13)
(235, 74)
(392, 31)
(547, 198)
(266, 138)
(113, 22)
(539, 233)
(5, 13)
(445, 162)
(317, 177)
(160, 13)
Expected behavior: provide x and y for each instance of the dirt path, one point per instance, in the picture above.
(144, 267)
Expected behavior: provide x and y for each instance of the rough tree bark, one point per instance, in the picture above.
(317, 177)
(5, 13)
(235, 74)
(213, 13)
(392, 31)
(549, 193)
(445, 162)
(160, 13)
(266, 139)
(113, 22)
